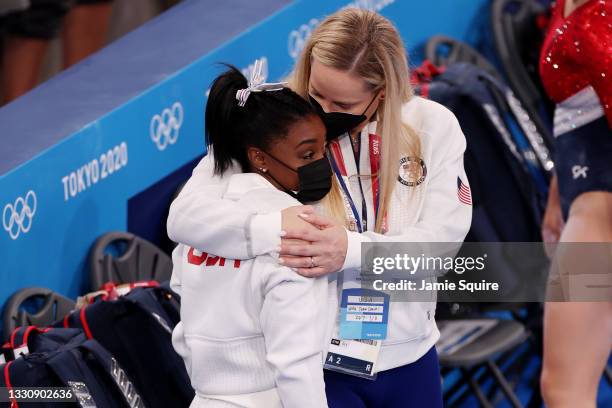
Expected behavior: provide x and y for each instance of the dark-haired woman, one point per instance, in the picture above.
(252, 332)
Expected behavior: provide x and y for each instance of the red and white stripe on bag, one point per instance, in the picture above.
(22, 349)
(6, 348)
(111, 291)
(463, 192)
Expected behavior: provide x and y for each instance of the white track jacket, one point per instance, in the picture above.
(251, 332)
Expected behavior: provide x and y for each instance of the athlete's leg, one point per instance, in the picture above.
(22, 59)
(85, 30)
(578, 336)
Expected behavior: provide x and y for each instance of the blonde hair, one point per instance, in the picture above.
(367, 44)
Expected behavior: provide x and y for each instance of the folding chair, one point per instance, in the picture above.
(443, 50)
(53, 307)
(485, 353)
(516, 36)
(135, 259)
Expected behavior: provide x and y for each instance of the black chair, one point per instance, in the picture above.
(484, 355)
(136, 260)
(443, 50)
(53, 307)
(518, 41)
(446, 51)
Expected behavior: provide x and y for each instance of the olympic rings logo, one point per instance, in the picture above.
(373, 5)
(297, 38)
(164, 128)
(17, 217)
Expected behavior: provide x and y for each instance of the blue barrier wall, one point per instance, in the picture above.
(80, 147)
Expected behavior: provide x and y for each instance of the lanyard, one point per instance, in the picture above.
(338, 166)
(364, 207)
(347, 196)
(374, 146)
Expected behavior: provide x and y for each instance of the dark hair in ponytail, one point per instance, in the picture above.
(265, 118)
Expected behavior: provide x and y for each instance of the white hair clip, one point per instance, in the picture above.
(257, 84)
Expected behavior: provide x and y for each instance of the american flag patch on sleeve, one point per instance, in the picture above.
(463, 192)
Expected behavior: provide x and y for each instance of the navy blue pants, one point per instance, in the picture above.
(413, 385)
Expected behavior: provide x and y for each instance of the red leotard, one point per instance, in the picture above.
(577, 56)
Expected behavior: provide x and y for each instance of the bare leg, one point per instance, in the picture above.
(23, 57)
(578, 336)
(85, 31)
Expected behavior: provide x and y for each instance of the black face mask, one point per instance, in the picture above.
(315, 180)
(338, 123)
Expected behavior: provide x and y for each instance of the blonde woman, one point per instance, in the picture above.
(398, 164)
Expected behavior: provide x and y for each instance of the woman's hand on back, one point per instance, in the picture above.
(320, 239)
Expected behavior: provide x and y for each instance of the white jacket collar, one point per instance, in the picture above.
(241, 183)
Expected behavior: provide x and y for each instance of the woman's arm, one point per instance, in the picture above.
(200, 218)
(443, 218)
(293, 319)
(178, 333)
(177, 262)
